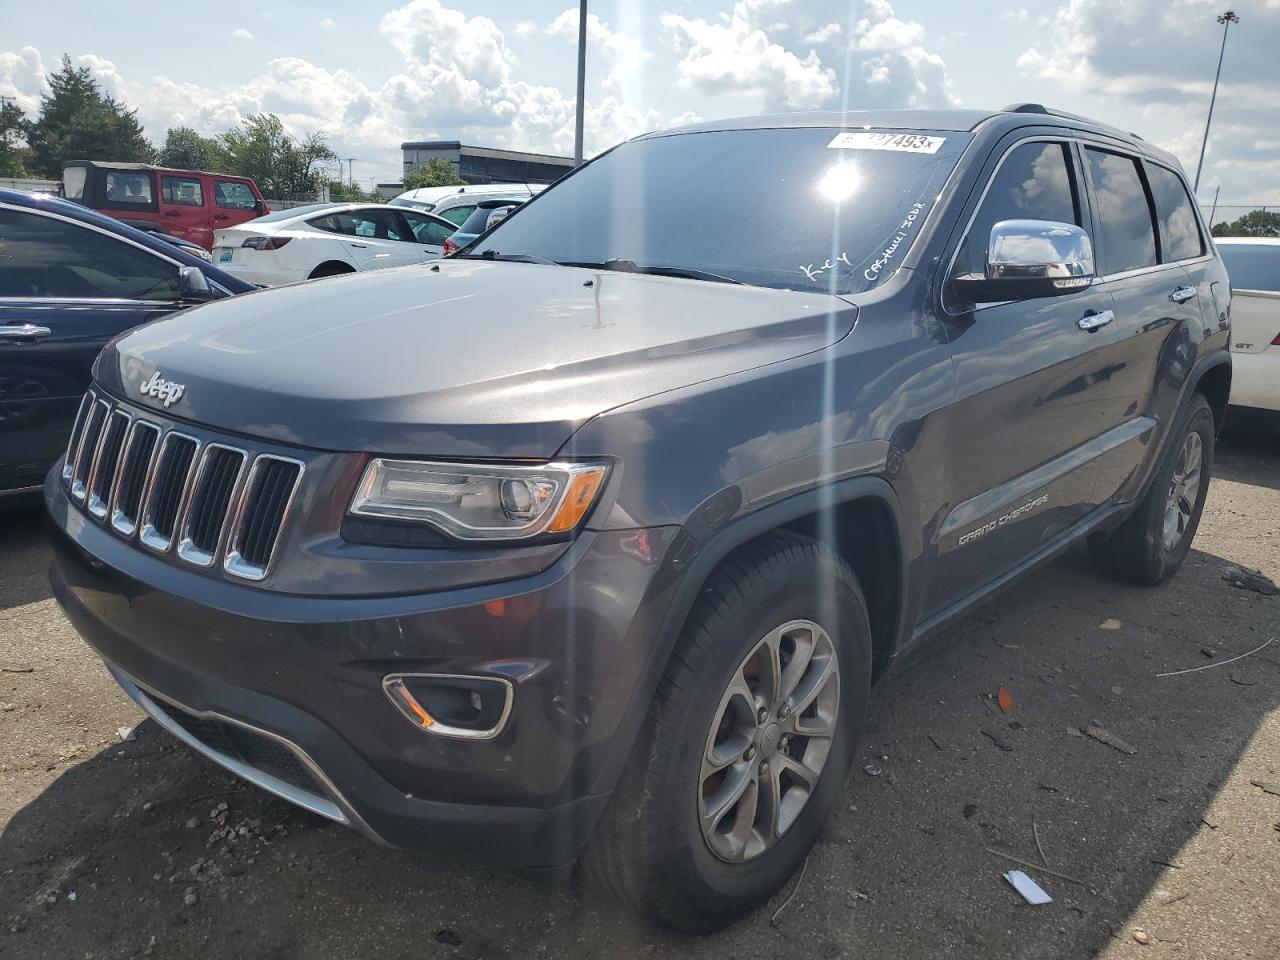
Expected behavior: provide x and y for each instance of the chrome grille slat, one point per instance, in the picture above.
(209, 503)
(136, 464)
(73, 442)
(105, 461)
(166, 487)
(264, 505)
(87, 449)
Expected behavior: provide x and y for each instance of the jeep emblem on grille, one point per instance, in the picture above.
(168, 391)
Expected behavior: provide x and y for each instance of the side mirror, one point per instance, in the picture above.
(1029, 259)
(261, 207)
(194, 285)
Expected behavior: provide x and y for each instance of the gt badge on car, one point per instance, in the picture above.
(167, 391)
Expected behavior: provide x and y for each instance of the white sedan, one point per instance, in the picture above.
(326, 239)
(1254, 266)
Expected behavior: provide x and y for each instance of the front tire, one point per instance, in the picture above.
(1151, 544)
(747, 744)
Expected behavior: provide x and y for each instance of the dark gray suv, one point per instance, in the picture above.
(595, 537)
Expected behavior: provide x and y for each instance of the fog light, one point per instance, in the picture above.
(449, 705)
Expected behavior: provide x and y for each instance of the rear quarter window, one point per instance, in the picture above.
(1179, 230)
(233, 195)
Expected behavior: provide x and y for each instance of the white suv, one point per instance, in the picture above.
(1254, 265)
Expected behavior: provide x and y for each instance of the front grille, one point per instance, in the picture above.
(210, 500)
(166, 487)
(249, 747)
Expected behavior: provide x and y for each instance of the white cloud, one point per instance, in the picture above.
(1166, 80)
(328, 24)
(22, 77)
(524, 28)
(624, 56)
(242, 35)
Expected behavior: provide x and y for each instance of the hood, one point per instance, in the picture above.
(462, 358)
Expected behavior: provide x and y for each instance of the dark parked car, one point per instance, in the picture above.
(70, 280)
(487, 213)
(597, 537)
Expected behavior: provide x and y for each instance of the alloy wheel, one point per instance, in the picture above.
(1184, 490)
(769, 741)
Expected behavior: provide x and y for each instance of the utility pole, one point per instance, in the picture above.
(350, 179)
(1226, 19)
(1213, 212)
(582, 81)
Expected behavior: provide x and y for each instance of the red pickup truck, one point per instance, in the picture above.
(188, 204)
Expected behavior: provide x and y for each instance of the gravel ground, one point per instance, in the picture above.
(118, 847)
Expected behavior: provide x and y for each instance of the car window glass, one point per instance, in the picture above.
(1125, 236)
(128, 188)
(182, 191)
(233, 195)
(1179, 232)
(1033, 183)
(372, 224)
(427, 230)
(1252, 266)
(46, 257)
(458, 215)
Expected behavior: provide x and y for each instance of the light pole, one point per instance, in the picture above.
(1226, 19)
(582, 81)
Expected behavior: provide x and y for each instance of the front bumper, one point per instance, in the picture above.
(305, 674)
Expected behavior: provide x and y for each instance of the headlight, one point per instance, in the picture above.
(481, 501)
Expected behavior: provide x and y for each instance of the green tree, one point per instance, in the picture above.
(78, 121)
(434, 173)
(187, 150)
(11, 124)
(1255, 223)
(283, 166)
(342, 192)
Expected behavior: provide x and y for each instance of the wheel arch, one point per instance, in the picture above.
(857, 499)
(330, 268)
(1214, 384)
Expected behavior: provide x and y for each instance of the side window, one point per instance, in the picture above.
(45, 257)
(1033, 183)
(1179, 232)
(426, 229)
(1126, 235)
(128, 190)
(234, 195)
(373, 224)
(182, 191)
(458, 215)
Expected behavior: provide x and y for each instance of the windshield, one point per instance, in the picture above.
(802, 209)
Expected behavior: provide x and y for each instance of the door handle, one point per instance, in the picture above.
(172, 213)
(1182, 294)
(1095, 321)
(24, 331)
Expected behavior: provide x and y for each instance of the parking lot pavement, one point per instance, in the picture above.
(122, 848)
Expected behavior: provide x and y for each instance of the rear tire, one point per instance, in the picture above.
(1151, 544)
(790, 614)
(330, 270)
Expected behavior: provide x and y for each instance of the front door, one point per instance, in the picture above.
(185, 209)
(1033, 408)
(429, 232)
(65, 290)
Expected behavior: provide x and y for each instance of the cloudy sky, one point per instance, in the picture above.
(501, 72)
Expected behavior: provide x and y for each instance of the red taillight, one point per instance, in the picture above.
(450, 247)
(1276, 341)
(266, 243)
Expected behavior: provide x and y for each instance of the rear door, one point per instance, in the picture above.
(1157, 305)
(65, 290)
(1031, 413)
(377, 237)
(185, 209)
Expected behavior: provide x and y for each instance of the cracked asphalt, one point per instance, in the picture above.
(1168, 826)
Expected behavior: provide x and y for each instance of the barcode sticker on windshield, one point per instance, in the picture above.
(903, 142)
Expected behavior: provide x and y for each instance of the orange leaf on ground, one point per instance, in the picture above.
(1005, 699)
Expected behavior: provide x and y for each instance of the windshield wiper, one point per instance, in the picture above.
(657, 270)
(504, 257)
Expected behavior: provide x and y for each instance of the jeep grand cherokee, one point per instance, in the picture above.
(596, 536)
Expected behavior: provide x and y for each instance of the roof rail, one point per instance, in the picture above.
(1040, 108)
(1025, 108)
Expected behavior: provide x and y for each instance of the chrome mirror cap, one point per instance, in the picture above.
(1039, 250)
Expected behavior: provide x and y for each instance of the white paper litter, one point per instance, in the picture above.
(1029, 889)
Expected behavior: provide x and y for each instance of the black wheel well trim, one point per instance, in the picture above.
(345, 267)
(707, 557)
(1217, 360)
